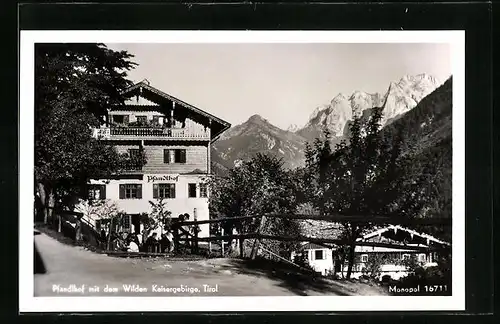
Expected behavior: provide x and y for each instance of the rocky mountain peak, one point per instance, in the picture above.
(293, 128)
(257, 135)
(394, 87)
(256, 119)
(406, 94)
(338, 98)
(400, 97)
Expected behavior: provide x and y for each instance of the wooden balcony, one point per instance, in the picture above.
(149, 133)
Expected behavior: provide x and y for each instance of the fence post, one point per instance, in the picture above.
(195, 230)
(222, 242)
(110, 232)
(257, 239)
(176, 238)
(195, 243)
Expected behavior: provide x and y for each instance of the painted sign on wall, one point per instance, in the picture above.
(166, 177)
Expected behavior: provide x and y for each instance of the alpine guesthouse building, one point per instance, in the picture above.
(175, 138)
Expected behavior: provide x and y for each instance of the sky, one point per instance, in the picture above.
(283, 83)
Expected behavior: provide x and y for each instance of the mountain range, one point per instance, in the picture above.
(258, 135)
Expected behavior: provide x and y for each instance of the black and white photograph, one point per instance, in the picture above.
(295, 170)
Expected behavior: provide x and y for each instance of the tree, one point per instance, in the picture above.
(257, 187)
(103, 210)
(75, 84)
(365, 175)
(159, 216)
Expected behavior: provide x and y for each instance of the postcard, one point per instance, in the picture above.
(294, 170)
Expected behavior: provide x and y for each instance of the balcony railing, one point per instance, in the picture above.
(149, 133)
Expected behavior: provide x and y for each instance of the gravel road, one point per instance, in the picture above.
(70, 267)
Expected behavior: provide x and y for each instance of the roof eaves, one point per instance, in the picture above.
(397, 227)
(177, 100)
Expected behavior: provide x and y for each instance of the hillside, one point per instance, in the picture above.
(429, 123)
(427, 133)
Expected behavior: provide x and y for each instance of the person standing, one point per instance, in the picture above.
(164, 243)
(152, 243)
(103, 239)
(139, 240)
(175, 228)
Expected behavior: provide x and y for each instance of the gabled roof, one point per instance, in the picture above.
(320, 229)
(395, 228)
(316, 246)
(220, 125)
(331, 230)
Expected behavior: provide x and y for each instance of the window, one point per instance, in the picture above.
(141, 119)
(192, 190)
(203, 190)
(364, 258)
(164, 190)
(180, 156)
(96, 192)
(318, 255)
(120, 119)
(156, 120)
(174, 156)
(125, 222)
(421, 257)
(134, 153)
(166, 156)
(131, 191)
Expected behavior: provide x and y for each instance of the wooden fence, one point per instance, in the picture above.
(192, 241)
(381, 220)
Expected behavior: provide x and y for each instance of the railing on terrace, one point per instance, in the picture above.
(130, 167)
(107, 132)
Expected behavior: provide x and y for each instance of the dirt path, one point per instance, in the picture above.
(69, 265)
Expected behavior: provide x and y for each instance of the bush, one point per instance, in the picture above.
(432, 276)
(302, 260)
(373, 265)
(386, 279)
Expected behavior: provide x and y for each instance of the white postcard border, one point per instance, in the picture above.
(29, 303)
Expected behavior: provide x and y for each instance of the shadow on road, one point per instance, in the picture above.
(289, 277)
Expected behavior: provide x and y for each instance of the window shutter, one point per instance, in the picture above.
(102, 193)
(172, 190)
(166, 156)
(126, 222)
(125, 119)
(122, 191)
(155, 191)
(139, 191)
(182, 156)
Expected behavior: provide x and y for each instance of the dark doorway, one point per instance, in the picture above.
(136, 222)
(336, 263)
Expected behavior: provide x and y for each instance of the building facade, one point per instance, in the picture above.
(406, 243)
(174, 139)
